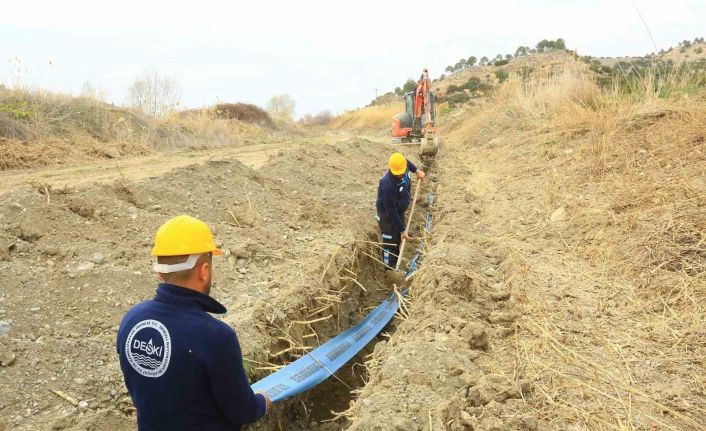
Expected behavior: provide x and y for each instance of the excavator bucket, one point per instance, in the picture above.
(430, 145)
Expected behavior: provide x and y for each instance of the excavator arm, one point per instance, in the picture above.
(409, 127)
(422, 105)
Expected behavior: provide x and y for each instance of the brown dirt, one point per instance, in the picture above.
(563, 287)
(289, 228)
(133, 168)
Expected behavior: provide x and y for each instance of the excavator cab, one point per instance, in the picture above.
(417, 123)
(405, 127)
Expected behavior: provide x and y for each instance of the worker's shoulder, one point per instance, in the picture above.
(212, 328)
(215, 334)
(218, 327)
(387, 183)
(138, 310)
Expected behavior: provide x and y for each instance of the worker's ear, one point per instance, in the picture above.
(204, 271)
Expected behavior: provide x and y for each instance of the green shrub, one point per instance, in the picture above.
(459, 99)
(243, 112)
(500, 62)
(525, 71)
(485, 87)
(453, 88)
(502, 75)
(20, 109)
(698, 50)
(472, 84)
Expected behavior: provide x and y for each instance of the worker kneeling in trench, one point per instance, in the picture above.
(182, 367)
(394, 194)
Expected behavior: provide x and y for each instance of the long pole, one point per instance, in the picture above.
(409, 222)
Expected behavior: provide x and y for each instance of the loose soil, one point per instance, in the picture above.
(299, 235)
(558, 292)
(561, 287)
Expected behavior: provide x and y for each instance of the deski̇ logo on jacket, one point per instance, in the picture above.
(148, 348)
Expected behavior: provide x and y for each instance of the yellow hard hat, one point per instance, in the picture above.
(184, 235)
(398, 164)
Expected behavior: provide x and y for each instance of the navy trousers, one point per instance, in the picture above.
(391, 242)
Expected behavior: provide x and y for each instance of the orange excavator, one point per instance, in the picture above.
(416, 124)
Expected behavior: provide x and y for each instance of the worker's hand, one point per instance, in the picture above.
(421, 174)
(405, 235)
(268, 401)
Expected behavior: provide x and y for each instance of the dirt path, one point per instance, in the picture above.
(134, 168)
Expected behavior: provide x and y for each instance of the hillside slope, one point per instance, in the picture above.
(41, 129)
(564, 284)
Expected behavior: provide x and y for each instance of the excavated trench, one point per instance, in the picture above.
(361, 284)
(316, 407)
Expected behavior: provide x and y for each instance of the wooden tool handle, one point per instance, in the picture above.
(409, 222)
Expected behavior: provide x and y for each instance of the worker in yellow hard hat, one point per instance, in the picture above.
(182, 367)
(394, 194)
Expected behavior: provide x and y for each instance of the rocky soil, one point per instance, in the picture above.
(299, 236)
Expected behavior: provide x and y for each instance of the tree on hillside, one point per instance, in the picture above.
(323, 118)
(282, 106)
(508, 57)
(483, 60)
(408, 86)
(549, 45)
(461, 64)
(471, 61)
(522, 51)
(449, 69)
(155, 93)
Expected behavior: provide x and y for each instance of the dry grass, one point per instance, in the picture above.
(38, 128)
(645, 156)
(630, 170)
(377, 117)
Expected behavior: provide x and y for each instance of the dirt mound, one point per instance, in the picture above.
(297, 240)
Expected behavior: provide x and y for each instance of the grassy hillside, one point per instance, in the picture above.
(617, 181)
(533, 62)
(39, 128)
(375, 118)
(569, 234)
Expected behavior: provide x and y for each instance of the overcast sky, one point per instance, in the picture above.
(325, 54)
